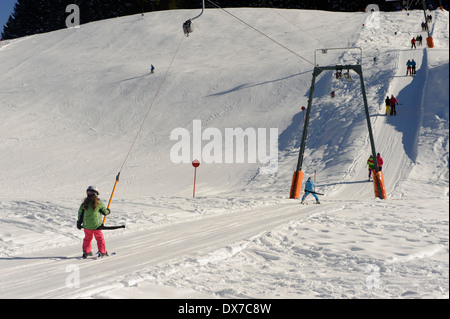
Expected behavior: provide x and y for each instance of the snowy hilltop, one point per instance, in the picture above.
(82, 104)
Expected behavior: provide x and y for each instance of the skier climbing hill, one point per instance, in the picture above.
(309, 189)
(90, 218)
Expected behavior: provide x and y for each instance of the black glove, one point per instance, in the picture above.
(78, 224)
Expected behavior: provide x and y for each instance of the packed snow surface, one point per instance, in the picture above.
(79, 105)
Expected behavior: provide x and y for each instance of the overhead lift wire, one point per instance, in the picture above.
(142, 124)
(151, 104)
(267, 36)
(289, 21)
(260, 32)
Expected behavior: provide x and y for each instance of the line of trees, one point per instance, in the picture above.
(38, 16)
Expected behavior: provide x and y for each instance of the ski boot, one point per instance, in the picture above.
(86, 255)
(317, 202)
(100, 255)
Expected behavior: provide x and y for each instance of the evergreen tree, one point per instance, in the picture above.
(37, 16)
(24, 20)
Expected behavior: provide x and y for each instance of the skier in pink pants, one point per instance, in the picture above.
(90, 218)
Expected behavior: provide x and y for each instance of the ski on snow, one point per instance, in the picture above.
(97, 256)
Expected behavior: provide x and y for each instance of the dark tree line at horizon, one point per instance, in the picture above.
(39, 16)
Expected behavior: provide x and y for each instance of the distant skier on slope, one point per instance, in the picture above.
(419, 39)
(394, 102)
(90, 218)
(309, 189)
(424, 26)
(408, 67)
(371, 166)
(413, 43)
(379, 161)
(388, 105)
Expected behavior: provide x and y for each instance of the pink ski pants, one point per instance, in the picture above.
(88, 234)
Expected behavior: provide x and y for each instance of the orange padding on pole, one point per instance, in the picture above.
(296, 187)
(379, 176)
(430, 42)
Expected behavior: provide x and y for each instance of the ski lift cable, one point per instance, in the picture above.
(139, 131)
(137, 134)
(151, 104)
(260, 32)
(140, 127)
(302, 30)
(297, 26)
(203, 9)
(289, 21)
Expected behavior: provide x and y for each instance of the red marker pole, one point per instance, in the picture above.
(303, 109)
(196, 164)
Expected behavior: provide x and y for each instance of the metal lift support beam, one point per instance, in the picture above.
(317, 71)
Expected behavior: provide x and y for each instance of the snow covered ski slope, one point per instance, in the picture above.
(72, 102)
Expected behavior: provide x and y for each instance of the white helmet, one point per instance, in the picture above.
(92, 189)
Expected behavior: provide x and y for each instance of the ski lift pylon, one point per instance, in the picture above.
(188, 26)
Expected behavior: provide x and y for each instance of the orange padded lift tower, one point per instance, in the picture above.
(296, 186)
(297, 178)
(379, 180)
(430, 42)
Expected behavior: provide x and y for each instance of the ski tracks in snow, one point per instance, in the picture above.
(201, 239)
(391, 133)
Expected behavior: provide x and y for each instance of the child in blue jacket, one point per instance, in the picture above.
(309, 189)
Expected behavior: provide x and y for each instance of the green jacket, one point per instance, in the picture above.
(370, 163)
(90, 218)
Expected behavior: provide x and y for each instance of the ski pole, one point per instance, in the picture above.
(112, 194)
(306, 191)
